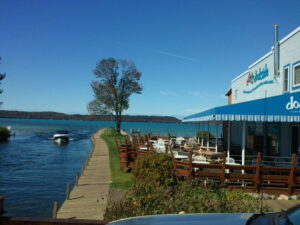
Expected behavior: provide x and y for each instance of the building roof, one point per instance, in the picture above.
(228, 92)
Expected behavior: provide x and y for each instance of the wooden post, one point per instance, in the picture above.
(191, 164)
(82, 170)
(256, 180)
(139, 140)
(168, 135)
(222, 178)
(68, 192)
(139, 132)
(54, 210)
(291, 181)
(168, 149)
(1, 204)
(86, 164)
(77, 178)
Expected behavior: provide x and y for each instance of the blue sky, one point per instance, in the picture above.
(188, 51)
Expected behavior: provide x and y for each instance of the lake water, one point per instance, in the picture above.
(34, 171)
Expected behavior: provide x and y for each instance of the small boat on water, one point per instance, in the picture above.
(61, 137)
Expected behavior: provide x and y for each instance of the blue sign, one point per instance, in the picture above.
(261, 74)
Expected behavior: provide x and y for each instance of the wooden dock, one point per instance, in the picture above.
(88, 199)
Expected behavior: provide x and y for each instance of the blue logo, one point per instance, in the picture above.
(293, 104)
(261, 74)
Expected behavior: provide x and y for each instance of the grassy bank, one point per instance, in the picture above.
(120, 178)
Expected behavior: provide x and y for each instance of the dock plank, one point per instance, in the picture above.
(88, 200)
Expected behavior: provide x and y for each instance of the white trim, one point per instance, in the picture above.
(255, 118)
(290, 35)
(239, 76)
(288, 78)
(293, 72)
(269, 53)
(261, 59)
(243, 143)
(280, 42)
(228, 141)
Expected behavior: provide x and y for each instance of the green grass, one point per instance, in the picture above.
(120, 178)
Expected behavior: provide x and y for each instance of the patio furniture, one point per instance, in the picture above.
(199, 158)
(179, 157)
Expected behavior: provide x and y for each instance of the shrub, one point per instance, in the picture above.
(153, 177)
(192, 198)
(155, 191)
(4, 134)
(153, 169)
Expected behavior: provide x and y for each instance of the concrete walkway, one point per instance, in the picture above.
(278, 205)
(88, 199)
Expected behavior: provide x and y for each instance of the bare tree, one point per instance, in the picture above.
(117, 80)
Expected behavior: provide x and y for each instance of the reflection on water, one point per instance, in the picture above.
(34, 170)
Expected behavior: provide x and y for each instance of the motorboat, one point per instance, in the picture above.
(61, 137)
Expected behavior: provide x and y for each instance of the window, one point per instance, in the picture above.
(297, 75)
(286, 79)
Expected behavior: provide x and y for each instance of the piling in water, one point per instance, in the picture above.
(77, 178)
(54, 210)
(1, 204)
(68, 192)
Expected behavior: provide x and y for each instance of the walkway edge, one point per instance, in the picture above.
(88, 199)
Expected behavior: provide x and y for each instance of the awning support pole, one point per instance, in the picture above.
(243, 143)
(207, 136)
(228, 142)
(216, 149)
(202, 130)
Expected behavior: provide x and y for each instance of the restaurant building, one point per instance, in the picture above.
(263, 111)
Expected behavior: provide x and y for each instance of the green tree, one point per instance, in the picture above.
(204, 134)
(2, 76)
(117, 80)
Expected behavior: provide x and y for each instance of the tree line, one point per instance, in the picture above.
(63, 116)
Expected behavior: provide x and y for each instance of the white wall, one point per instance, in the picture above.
(266, 85)
(290, 54)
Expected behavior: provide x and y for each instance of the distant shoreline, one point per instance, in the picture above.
(62, 116)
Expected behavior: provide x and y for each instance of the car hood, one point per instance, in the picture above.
(188, 219)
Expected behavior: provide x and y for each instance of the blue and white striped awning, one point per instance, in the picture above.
(282, 108)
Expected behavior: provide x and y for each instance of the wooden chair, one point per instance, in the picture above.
(182, 170)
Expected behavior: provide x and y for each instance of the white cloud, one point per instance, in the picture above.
(195, 93)
(169, 93)
(175, 55)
